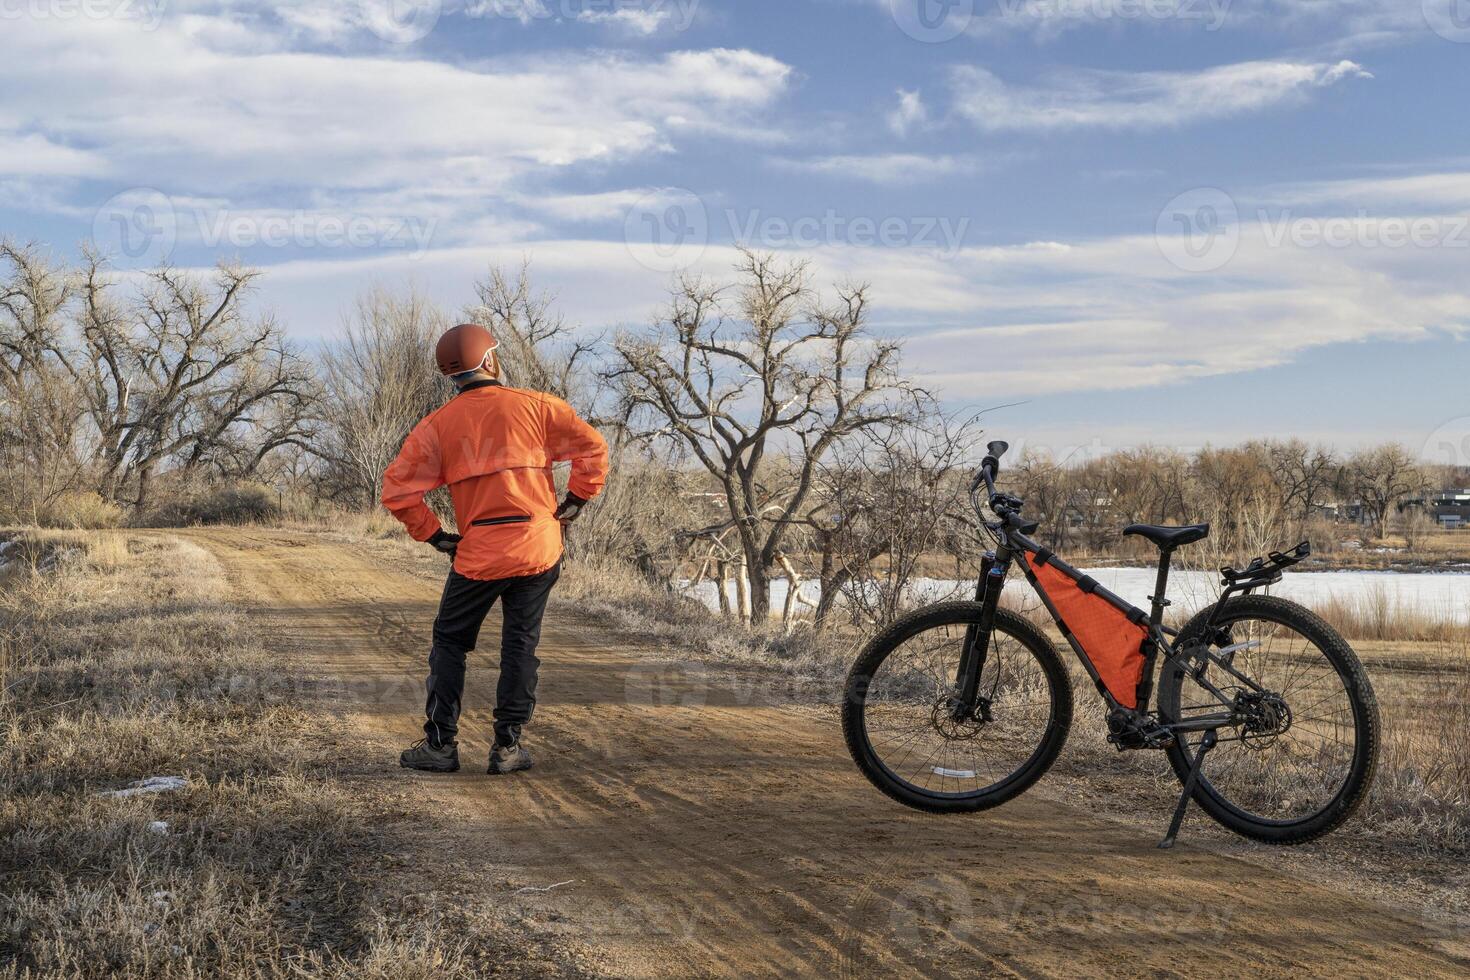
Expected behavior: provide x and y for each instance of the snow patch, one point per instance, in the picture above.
(153, 784)
(1442, 595)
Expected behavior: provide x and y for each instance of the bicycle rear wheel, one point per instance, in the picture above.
(897, 713)
(1304, 761)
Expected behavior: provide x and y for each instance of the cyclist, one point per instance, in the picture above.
(493, 446)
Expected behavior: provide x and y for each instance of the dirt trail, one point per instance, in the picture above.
(707, 834)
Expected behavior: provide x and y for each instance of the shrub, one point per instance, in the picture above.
(81, 511)
(246, 503)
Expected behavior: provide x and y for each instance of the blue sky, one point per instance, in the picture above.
(1169, 221)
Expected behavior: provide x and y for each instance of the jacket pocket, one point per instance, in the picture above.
(491, 521)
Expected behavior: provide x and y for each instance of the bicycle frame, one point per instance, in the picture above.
(1127, 647)
(1012, 534)
(1013, 548)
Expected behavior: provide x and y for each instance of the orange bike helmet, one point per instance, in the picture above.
(464, 348)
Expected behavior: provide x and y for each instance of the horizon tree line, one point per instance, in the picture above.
(761, 430)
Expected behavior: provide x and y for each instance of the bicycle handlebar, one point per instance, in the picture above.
(989, 467)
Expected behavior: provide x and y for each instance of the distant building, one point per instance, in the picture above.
(1449, 508)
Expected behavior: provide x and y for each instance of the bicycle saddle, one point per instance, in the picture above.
(1169, 537)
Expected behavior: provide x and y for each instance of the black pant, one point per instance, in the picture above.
(465, 604)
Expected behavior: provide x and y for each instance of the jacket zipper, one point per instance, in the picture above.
(488, 521)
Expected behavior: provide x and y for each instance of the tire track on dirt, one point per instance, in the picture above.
(709, 834)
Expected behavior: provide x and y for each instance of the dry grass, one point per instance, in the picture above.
(1420, 800)
(1377, 614)
(1422, 792)
(122, 660)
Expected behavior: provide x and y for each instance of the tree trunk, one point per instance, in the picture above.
(793, 588)
(742, 589)
(145, 476)
(760, 594)
(831, 589)
(722, 583)
(828, 582)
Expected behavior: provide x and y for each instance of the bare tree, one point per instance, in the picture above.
(899, 511)
(1231, 484)
(41, 422)
(1046, 486)
(538, 349)
(1415, 525)
(1304, 475)
(184, 375)
(1381, 477)
(104, 391)
(741, 376)
(380, 380)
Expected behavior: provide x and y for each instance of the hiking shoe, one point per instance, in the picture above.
(423, 755)
(508, 758)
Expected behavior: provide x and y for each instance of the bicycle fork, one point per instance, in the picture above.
(977, 640)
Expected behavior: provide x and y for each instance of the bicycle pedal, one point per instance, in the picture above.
(1127, 732)
(1159, 738)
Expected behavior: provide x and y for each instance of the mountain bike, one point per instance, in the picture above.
(1263, 710)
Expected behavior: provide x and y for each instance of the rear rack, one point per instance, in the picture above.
(1263, 571)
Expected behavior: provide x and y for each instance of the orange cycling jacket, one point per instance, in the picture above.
(493, 446)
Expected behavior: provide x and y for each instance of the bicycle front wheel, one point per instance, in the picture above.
(899, 720)
(1302, 759)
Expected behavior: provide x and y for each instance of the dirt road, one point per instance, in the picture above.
(702, 832)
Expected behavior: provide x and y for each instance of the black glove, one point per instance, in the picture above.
(445, 542)
(570, 507)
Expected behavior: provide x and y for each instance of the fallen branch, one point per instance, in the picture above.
(535, 888)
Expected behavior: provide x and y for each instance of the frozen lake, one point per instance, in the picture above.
(1441, 595)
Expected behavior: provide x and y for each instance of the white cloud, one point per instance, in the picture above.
(1449, 189)
(1139, 100)
(629, 20)
(603, 206)
(908, 115)
(1016, 321)
(253, 125)
(1338, 24)
(1046, 19)
(882, 168)
(33, 155)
